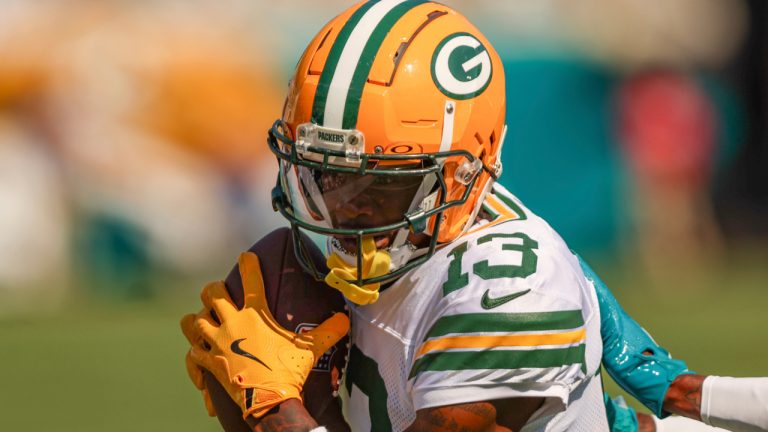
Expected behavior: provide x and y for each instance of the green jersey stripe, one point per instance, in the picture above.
(505, 322)
(499, 359)
(360, 77)
(324, 84)
(490, 211)
(509, 202)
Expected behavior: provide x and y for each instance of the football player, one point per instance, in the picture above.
(468, 311)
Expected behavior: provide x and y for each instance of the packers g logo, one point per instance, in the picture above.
(461, 66)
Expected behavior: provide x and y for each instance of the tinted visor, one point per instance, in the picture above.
(346, 200)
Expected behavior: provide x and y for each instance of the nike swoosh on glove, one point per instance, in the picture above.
(257, 361)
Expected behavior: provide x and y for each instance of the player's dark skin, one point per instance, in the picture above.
(377, 204)
(289, 416)
(683, 398)
(500, 416)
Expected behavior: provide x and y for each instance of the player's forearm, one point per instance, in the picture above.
(289, 416)
(684, 396)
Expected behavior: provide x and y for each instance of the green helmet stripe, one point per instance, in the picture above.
(337, 100)
(321, 96)
(352, 105)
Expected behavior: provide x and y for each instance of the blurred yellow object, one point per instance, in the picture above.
(219, 108)
(194, 337)
(26, 42)
(211, 91)
(18, 82)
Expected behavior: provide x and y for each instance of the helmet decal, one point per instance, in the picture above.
(340, 88)
(461, 66)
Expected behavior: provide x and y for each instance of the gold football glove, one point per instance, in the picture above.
(195, 338)
(375, 263)
(258, 362)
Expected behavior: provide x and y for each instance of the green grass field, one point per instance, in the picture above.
(97, 369)
(714, 318)
(119, 367)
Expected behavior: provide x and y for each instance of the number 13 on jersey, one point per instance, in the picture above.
(519, 243)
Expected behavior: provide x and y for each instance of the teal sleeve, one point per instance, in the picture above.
(621, 418)
(646, 377)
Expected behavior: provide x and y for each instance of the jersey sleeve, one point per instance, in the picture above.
(508, 332)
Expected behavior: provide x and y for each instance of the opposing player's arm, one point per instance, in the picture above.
(684, 396)
(500, 415)
(635, 361)
(665, 384)
(735, 404)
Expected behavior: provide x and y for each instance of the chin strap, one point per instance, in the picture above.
(401, 250)
(375, 263)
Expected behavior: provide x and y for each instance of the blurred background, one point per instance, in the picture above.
(133, 169)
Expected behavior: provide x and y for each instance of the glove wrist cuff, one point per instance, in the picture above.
(258, 401)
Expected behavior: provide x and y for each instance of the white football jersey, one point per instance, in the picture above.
(504, 311)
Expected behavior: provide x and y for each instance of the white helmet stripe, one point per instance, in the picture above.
(350, 57)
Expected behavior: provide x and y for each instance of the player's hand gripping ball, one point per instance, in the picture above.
(297, 302)
(258, 362)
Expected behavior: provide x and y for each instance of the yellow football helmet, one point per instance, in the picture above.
(392, 126)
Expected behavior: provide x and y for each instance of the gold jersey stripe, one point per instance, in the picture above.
(499, 207)
(498, 341)
(505, 215)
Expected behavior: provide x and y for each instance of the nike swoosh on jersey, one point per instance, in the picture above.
(490, 303)
(235, 347)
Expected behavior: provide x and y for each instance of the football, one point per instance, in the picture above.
(298, 303)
